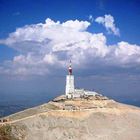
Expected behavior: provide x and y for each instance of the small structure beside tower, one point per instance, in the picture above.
(70, 91)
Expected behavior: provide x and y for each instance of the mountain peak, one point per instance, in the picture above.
(92, 117)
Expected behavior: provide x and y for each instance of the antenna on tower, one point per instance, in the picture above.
(70, 68)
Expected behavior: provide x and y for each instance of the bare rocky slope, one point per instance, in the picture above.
(89, 118)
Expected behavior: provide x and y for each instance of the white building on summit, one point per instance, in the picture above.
(70, 91)
(70, 83)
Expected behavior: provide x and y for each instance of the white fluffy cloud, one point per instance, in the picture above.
(108, 22)
(44, 47)
(90, 17)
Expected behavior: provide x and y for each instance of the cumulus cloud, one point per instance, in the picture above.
(76, 25)
(90, 17)
(45, 47)
(108, 22)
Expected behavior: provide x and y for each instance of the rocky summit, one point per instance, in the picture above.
(88, 118)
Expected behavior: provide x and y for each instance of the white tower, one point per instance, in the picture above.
(69, 83)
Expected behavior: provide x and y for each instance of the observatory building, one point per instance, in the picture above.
(70, 91)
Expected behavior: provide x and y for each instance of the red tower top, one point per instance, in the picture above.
(70, 68)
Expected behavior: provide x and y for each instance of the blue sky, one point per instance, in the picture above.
(101, 55)
(19, 13)
(16, 14)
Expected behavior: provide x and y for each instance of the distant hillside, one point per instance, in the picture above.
(91, 118)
